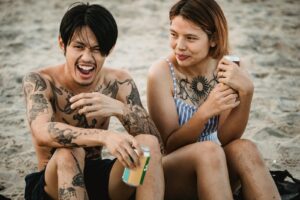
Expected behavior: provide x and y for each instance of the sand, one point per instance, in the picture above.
(264, 33)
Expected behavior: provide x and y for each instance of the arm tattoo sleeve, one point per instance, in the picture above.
(34, 86)
(135, 119)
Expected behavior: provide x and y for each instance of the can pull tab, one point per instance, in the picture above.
(233, 58)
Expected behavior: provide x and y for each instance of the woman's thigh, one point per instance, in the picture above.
(183, 168)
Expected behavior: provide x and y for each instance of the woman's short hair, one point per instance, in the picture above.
(97, 18)
(209, 16)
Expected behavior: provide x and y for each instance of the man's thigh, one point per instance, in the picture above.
(51, 179)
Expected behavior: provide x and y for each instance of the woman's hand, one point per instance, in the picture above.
(234, 76)
(124, 147)
(96, 104)
(221, 98)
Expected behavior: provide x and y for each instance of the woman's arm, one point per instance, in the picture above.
(233, 124)
(162, 108)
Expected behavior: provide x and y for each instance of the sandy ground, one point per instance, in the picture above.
(265, 33)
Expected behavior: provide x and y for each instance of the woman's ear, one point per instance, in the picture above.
(213, 41)
(61, 44)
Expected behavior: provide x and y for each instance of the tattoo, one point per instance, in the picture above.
(82, 121)
(66, 193)
(33, 82)
(57, 92)
(78, 178)
(93, 152)
(197, 90)
(66, 136)
(63, 136)
(39, 105)
(54, 100)
(134, 97)
(113, 87)
(37, 80)
(137, 121)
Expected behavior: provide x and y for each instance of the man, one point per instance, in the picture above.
(68, 109)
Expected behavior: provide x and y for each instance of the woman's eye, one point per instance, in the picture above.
(173, 34)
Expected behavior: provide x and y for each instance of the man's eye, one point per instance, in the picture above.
(191, 38)
(97, 50)
(78, 47)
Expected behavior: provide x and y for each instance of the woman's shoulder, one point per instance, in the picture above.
(159, 68)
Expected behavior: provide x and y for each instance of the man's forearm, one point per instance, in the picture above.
(137, 121)
(58, 135)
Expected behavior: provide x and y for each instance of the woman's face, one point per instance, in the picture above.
(189, 42)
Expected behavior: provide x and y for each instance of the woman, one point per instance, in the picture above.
(195, 94)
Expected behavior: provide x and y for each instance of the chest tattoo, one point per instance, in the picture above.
(195, 90)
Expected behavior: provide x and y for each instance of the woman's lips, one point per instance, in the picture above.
(182, 57)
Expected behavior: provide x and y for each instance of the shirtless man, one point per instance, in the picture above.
(68, 109)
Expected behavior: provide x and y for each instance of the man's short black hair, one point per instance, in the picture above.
(97, 18)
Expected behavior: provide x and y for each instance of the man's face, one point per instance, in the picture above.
(83, 58)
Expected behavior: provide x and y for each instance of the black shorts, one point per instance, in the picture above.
(96, 177)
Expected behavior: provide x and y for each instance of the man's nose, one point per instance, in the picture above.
(87, 55)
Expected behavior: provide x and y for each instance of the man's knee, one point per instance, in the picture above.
(245, 151)
(151, 142)
(68, 157)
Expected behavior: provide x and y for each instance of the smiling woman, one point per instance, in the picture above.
(200, 102)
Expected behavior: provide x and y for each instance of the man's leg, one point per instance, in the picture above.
(64, 174)
(153, 186)
(197, 171)
(245, 162)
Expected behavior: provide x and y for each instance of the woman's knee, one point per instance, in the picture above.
(209, 153)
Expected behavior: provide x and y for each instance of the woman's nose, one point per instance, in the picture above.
(181, 44)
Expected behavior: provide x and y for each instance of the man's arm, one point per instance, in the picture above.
(119, 98)
(40, 116)
(134, 117)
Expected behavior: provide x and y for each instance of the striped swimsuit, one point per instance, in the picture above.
(186, 111)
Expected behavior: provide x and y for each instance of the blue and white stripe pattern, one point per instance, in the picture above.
(186, 111)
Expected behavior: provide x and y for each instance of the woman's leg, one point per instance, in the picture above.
(246, 164)
(197, 171)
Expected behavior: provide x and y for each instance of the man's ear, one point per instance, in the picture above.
(61, 44)
(111, 50)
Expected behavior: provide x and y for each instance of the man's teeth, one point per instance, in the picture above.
(86, 68)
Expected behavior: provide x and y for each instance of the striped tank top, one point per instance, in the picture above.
(186, 111)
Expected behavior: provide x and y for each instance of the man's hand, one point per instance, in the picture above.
(96, 104)
(125, 148)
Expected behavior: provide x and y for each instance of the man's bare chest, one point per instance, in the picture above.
(62, 112)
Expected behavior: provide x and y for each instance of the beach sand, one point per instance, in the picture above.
(264, 33)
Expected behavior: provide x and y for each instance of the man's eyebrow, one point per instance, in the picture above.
(82, 43)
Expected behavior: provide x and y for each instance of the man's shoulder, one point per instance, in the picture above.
(45, 73)
(116, 74)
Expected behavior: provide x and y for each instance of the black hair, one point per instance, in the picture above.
(97, 18)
